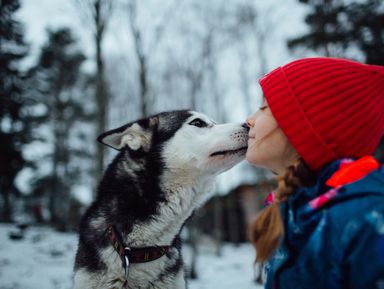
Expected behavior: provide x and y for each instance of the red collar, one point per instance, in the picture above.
(134, 255)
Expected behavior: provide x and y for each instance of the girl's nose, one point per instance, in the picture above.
(250, 122)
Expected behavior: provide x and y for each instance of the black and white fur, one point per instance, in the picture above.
(163, 172)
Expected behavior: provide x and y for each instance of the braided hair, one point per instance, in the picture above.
(267, 229)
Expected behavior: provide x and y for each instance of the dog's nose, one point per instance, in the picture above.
(245, 125)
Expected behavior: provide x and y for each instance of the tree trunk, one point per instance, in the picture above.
(6, 212)
(233, 222)
(194, 239)
(217, 221)
(101, 94)
(143, 86)
(54, 190)
(141, 58)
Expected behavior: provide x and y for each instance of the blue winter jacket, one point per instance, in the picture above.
(339, 244)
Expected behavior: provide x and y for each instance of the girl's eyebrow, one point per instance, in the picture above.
(263, 107)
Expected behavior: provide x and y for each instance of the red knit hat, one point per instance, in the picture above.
(328, 108)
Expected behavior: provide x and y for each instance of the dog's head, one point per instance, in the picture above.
(184, 142)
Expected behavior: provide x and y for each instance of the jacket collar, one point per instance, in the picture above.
(332, 177)
(302, 208)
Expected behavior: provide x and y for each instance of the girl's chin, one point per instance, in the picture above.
(256, 160)
(251, 158)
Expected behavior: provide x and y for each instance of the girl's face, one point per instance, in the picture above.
(268, 147)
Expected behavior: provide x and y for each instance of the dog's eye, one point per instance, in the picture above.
(198, 122)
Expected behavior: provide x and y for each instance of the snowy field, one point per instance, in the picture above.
(44, 260)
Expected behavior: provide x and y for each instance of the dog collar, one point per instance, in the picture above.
(130, 255)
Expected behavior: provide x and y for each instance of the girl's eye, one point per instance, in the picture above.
(198, 122)
(263, 107)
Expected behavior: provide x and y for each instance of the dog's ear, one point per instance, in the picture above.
(134, 135)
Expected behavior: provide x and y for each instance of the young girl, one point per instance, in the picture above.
(323, 227)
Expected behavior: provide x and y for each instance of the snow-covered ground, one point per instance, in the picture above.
(44, 260)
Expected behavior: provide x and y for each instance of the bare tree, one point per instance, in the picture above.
(97, 14)
(142, 53)
(199, 68)
(141, 57)
(255, 26)
(195, 76)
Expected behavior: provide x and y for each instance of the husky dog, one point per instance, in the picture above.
(129, 237)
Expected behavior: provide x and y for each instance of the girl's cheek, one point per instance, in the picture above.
(257, 153)
(263, 126)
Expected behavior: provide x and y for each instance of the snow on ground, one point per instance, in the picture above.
(44, 260)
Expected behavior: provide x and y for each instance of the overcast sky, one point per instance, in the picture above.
(38, 15)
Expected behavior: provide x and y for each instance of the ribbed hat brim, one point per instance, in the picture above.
(288, 113)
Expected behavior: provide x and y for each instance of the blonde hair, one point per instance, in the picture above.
(267, 229)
